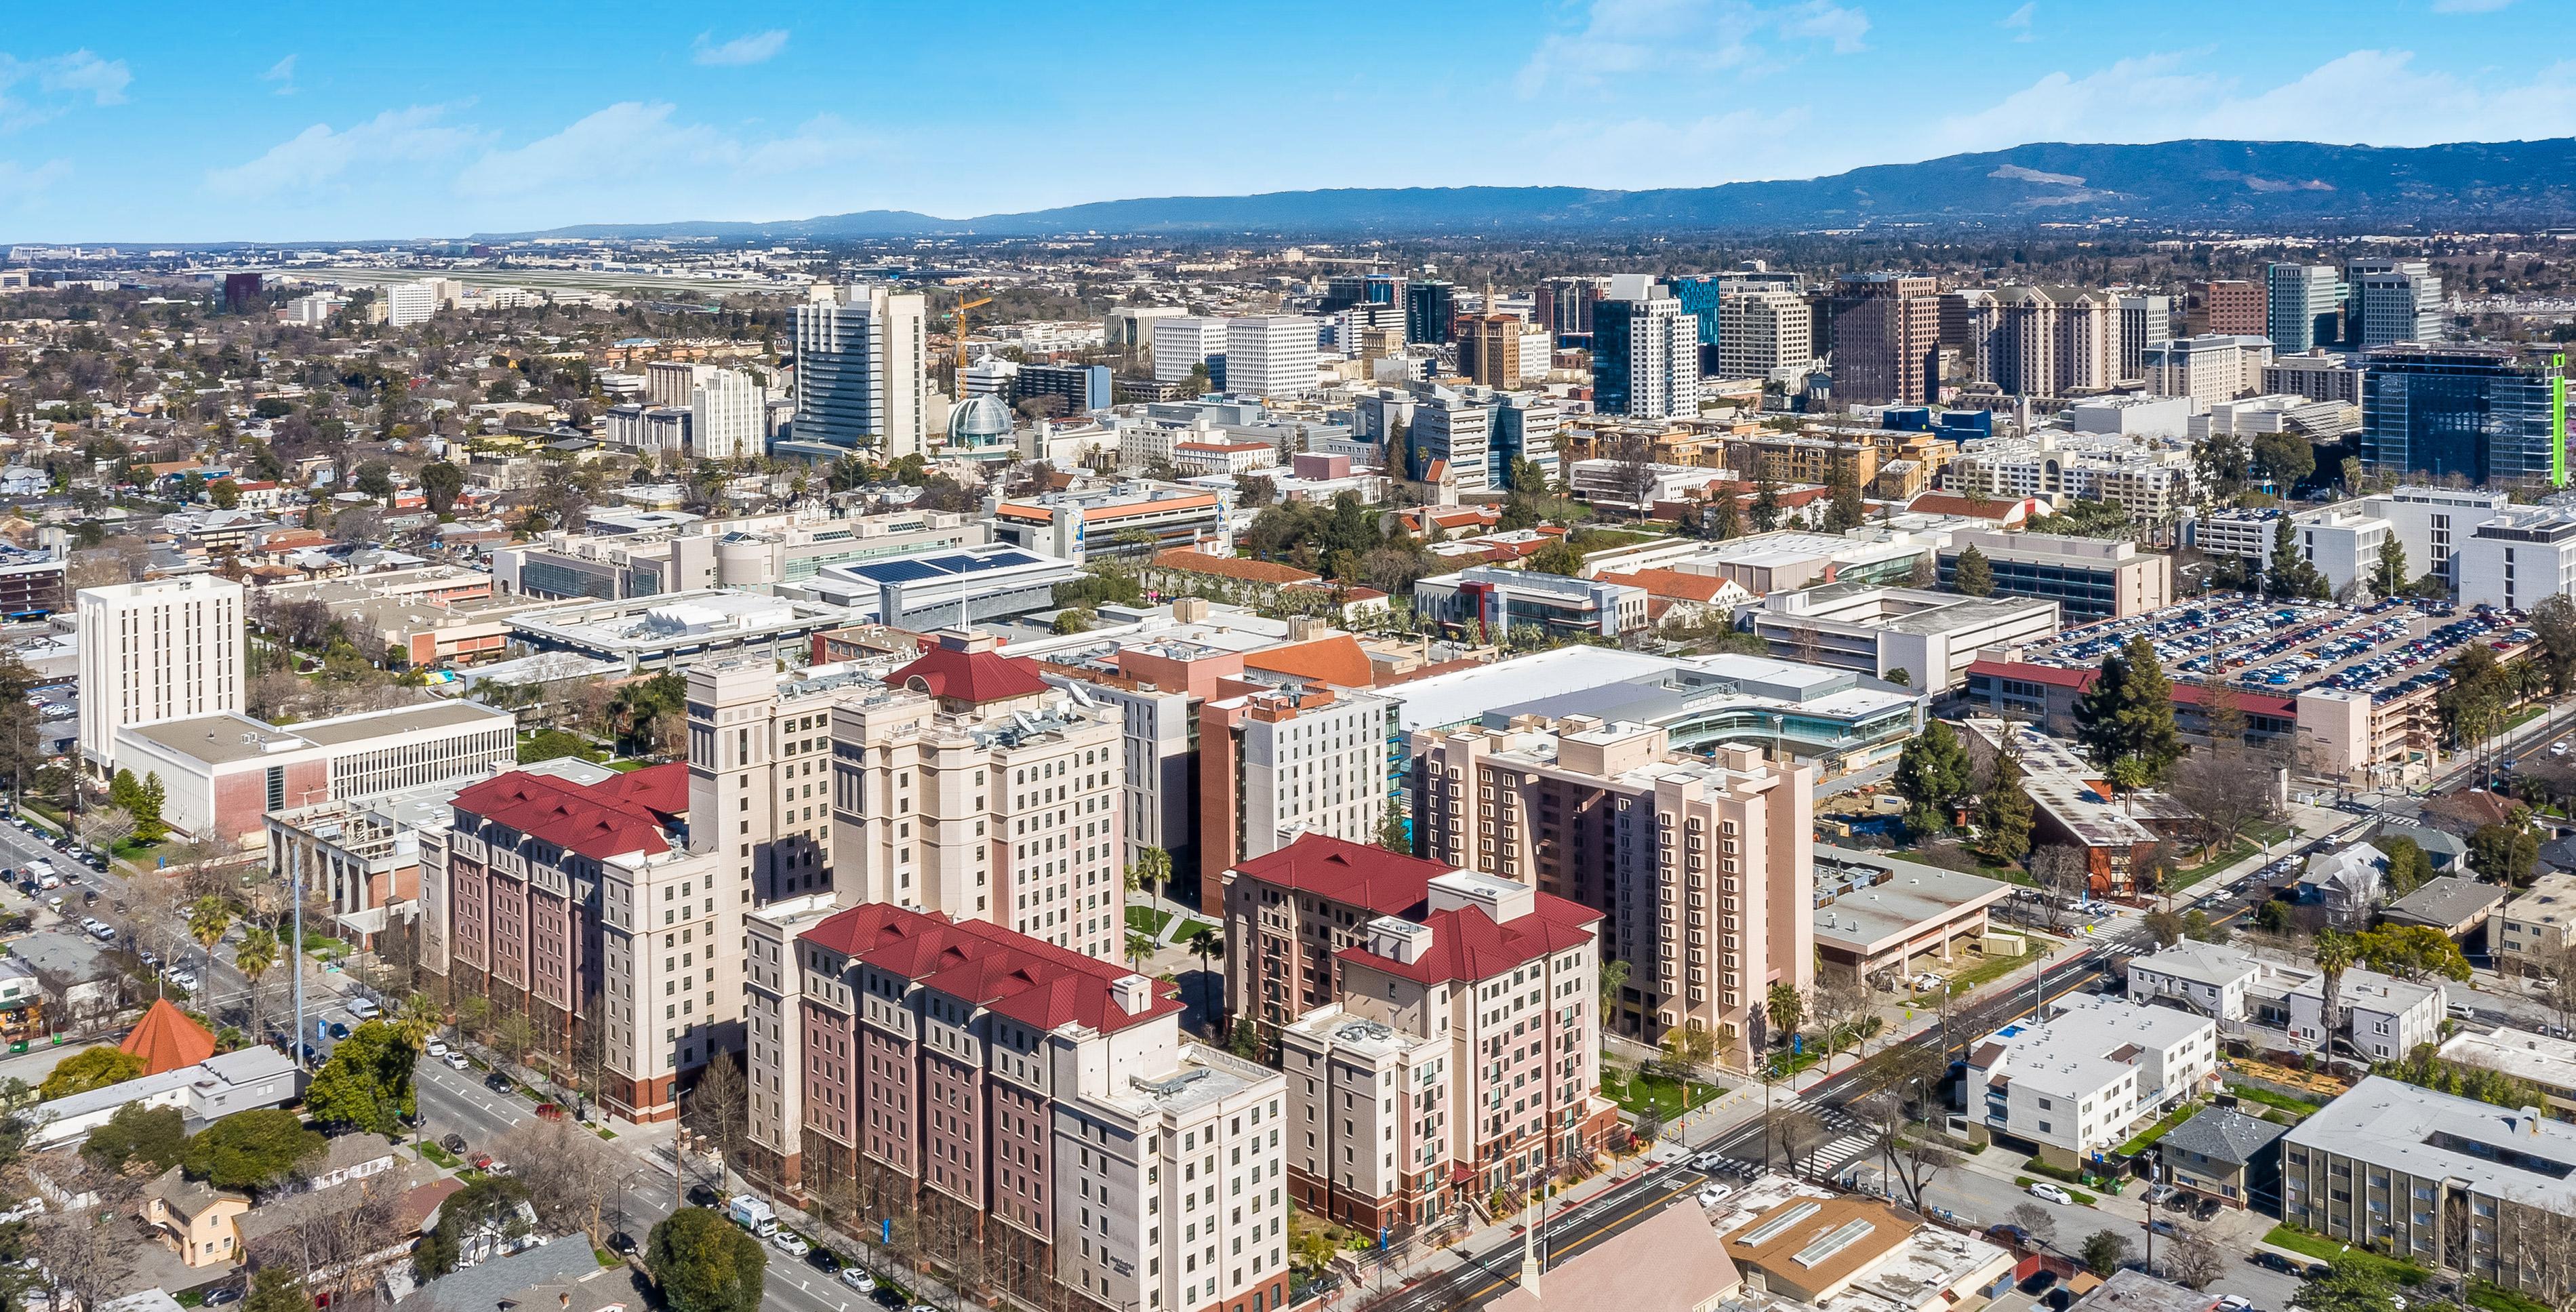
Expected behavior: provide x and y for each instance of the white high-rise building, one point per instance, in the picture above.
(2144, 321)
(1183, 344)
(728, 414)
(1271, 355)
(408, 303)
(168, 649)
(861, 351)
(1761, 332)
(2394, 301)
(1645, 362)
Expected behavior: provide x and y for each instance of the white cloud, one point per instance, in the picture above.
(2374, 96)
(1821, 20)
(757, 48)
(320, 156)
(283, 73)
(2018, 21)
(82, 73)
(819, 142)
(1621, 39)
(61, 82)
(625, 136)
(2468, 6)
(22, 184)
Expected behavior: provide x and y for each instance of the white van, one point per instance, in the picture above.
(363, 1008)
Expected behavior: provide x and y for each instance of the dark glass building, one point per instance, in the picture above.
(1430, 310)
(2475, 411)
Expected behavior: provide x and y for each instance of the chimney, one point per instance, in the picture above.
(2531, 1121)
(1132, 993)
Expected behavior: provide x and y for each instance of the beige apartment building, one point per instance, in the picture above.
(2532, 932)
(1702, 869)
(969, 786)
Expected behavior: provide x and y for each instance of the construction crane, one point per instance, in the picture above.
(962, 308)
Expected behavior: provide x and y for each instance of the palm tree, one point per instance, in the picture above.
(2334, 954)
(1786, 1007)
(1140, 945)
(419, 1019)
(1207, 947)
(257, 953)
(208, 918)
(1153, 866)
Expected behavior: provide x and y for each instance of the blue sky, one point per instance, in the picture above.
(202, 122)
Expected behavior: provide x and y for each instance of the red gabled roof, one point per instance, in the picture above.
(611, 818)
(970, 676)
(167, 1040)
(1466, 944)
(984, 965)
(1388, 883)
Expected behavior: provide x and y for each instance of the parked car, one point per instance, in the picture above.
(454, 1143)
(455, 1060)
(790, 1243)
(2046, 1192)
(339, 1029)
(2234, 1303)
(824, 1260)
(858, 1280)
(363, 1008)
(497, 1082)
(220, 1296)
(1713, 1195)
(435, 1047)
(621, 1243)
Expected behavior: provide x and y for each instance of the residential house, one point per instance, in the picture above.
(2225, 1154)
(2533, 937)
(2346, 883)
(2074, 1085)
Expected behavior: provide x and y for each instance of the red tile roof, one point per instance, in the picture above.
(1010, 974)
(611, 818)
(970, 676)
(1671, 583)
(1193, 561)
(1388, 883)
(167, 1040)
(1336, 660)
(1466, 945)
(2188, 694)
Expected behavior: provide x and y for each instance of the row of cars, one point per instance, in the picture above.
(753, 1213)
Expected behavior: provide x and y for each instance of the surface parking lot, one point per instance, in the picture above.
(2282, 649)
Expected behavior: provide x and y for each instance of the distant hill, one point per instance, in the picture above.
(2251, 184)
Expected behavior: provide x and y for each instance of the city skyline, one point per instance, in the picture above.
(379, 126)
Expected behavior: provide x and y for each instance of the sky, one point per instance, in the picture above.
(152, 122)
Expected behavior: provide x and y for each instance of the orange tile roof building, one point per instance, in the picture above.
(166, 1039)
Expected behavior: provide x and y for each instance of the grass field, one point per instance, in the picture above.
(2328, 1250)
(1640, 1093)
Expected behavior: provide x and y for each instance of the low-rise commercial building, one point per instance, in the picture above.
(668, 631)
(2089, 578)
(1930, 636)
(1487, 602)
(1132, 519)
(223, 774)
(1880, 919)
(953, 588)
(2545, 1063)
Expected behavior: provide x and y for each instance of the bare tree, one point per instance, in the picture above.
(1912, 1160)
(2191, 1259)
(102, 829)
(2228, 792)
(579, 1175)
(2034, 1220)
(719, 1108)
(80, 1259)
(1800, 1132)
(2063, 872)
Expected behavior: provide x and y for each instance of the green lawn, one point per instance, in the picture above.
(2334, 1251)
(2489, 1298)
(2299, 1107)
(1640, 1093)
(1194, 929)
(2082, 1199)
(1148, 919)
(1986, 972)
(2158, 1130)
(2526, 715)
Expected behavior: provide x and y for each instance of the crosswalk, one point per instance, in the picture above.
(1850, 1142)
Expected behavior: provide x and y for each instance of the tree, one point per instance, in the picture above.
(141, 799)
(95, 1068)
(2165, 927)
(1153, 866)
(2287, 457)
(2553, 621)
(1557, 557)
(2005, 820)
(2408, 867)
(2505, 853)
(1932, 775)
(2128, 715)
(718, 1108)
(2105, 1251)
(1801, 1133)
(1785, 1007)
(367, 1083)
(2292, 577)
(2411, 952)
(275, 1289)
(2334, 953)
(2388, 578)
(252, 1150)
(1766, 498)
(440, 482)
(256, 956)
(488, 1209)
(705, 1263)
(2473, 706)
(208, 918)
(1614, 977)
(1974, 574)
(1207, 948)
(2062, 870)
(578, 1180)
(1845, 510)
(2344, 1287)
(224, 493)
(2193, 1261)
(2227, 791)
(2034, 1221)
(153, 1136)
(376, 479)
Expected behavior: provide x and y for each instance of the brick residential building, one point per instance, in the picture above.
(1702, 868)
(1009, 1094)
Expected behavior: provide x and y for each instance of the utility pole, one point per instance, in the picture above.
(295, 962)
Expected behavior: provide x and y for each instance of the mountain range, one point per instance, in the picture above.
(2241, 184)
